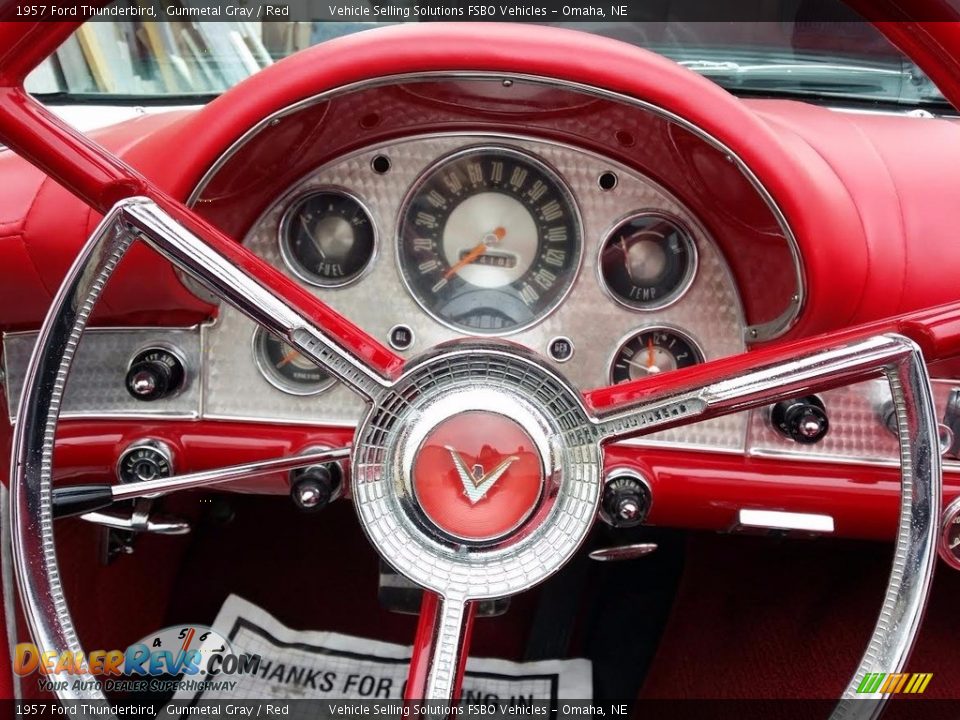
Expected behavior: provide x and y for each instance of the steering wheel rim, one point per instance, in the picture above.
(608, 415)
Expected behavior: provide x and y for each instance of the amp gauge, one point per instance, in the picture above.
(286, 368)
(648, 261)
(653, 351)
(327, 238)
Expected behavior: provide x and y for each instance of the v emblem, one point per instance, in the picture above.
(476, 483)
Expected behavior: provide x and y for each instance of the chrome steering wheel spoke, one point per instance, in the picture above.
(440, 649)
(745, 382)
(258, 291)
(758, 379)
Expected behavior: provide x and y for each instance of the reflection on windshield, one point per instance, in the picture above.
(152, 59)
(180, 61)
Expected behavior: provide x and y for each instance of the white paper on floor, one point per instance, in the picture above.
(311, 664)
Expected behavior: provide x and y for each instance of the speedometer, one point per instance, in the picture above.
(489, 241)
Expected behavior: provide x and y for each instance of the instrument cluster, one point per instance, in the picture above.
(587, 262)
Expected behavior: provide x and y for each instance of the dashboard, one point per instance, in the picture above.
(600, 269)
(613, 238)
(541, 286)
(586, 261)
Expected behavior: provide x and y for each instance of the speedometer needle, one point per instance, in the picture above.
(496, 236)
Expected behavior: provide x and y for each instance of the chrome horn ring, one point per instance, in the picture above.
(570, 490)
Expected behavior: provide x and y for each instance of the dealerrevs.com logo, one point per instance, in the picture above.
(181, 651)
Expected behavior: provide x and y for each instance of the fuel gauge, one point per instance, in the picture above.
(653, 351)
(327, 238)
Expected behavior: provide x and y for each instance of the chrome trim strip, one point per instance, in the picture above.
(756, 333)
(35, 557)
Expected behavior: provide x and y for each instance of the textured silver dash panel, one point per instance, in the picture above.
(96, 387)
(710, 310)
(857, 432)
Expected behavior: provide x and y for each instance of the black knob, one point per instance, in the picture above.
(626, 500)
(803, 420)
(155, 373)
(314, 487)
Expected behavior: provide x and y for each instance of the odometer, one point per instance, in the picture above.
(489, 241)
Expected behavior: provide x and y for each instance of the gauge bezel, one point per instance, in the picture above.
(269, 373)
(428, 171)
(290, 260)
(665, 327)
(685, 284)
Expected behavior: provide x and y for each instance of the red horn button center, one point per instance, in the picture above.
(478, 475)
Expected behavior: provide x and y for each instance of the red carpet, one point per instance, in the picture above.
(766, 618)
(754, 617)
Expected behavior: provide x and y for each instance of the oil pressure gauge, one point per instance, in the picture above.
(652, 351)
(327, 238)
(648, 261)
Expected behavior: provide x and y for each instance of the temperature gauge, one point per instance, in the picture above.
(653, 351)
(327, 238)
(286, 369)
(647, 262)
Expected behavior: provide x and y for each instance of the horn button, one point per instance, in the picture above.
(477, 476)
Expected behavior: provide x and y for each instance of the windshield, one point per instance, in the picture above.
(170, 61)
